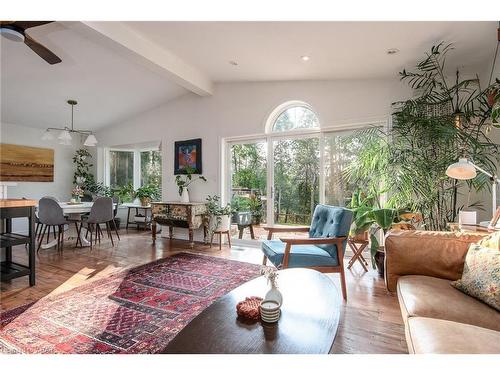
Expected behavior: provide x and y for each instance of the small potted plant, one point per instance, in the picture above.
(219, 218)
(184, 180)
(147, 193)
(256, 208)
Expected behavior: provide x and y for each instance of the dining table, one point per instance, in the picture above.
(74, 212)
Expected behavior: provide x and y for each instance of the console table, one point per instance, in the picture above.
(176, 214)
(10, 209)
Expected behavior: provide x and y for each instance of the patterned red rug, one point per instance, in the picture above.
(134, 311)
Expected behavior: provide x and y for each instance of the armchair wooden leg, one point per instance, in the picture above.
(343, 285)
(264, 261)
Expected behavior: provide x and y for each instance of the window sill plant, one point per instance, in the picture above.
(147, 193)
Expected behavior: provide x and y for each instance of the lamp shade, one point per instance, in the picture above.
(90, 141)
(47, 136)
(64, 138)
(462, 170)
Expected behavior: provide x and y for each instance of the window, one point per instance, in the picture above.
(295, 118)
(121, 168)
(133, 166)
(151, 168)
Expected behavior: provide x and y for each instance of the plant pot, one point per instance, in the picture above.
(145, 201)
(363, 236)
(242, 218)
(220, 223)
(379, 262)
(185, 195)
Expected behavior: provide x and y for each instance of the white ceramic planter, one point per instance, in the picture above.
(223, 224)
(185, 196)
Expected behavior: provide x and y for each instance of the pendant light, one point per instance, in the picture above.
(64, 136)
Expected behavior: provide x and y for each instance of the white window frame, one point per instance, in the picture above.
(136, 177)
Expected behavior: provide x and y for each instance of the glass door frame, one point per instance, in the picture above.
(270, 138)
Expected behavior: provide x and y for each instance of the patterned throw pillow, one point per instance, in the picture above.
(492, 241)
(481, 276)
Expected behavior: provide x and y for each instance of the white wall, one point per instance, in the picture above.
(238, 109)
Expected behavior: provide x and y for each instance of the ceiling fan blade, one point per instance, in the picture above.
(27, 24)
(41, 51)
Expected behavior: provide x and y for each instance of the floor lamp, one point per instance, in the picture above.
(465, 170)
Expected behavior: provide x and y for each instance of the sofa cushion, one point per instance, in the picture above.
(300, 255)
(492, 241)
(431, 297)
(481, 276)
(426, 336)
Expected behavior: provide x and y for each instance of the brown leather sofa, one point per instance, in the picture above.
(438, 318)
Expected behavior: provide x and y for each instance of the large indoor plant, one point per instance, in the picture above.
(446, 119)
(184, 181)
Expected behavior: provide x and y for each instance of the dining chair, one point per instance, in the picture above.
(50, 215)
(112, 223)
(323, 250)
(100, 213)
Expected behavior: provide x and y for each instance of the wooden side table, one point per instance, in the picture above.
(138, 207)
(357, 245)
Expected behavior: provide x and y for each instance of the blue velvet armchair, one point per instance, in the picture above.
(322, 251)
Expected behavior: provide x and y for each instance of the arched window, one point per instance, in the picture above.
(292, 116)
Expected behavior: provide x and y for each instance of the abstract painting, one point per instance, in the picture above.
(22, 163)
(188, 156)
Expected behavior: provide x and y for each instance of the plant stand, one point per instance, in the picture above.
(357, 246)
(220, 233)
(242, 227)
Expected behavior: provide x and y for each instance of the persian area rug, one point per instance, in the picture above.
(135, 311)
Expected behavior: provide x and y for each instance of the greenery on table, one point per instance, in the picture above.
(409, 161)
(184, 180)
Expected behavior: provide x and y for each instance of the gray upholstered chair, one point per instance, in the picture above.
(100, 213)
(322, 251)
(50, 215)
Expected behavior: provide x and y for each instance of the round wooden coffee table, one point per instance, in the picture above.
(308, 323)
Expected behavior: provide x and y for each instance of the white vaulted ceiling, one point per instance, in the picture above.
(108, 87)
(117, 70)
(270, 51)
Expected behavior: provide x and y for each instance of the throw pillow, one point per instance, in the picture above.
(481, 275)
(492, 241)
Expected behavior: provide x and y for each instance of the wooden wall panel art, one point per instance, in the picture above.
(22, 163)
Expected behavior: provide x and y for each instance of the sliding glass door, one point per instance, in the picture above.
(296, 176)
(279, 179)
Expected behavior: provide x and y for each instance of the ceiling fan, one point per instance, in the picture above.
(16, 31)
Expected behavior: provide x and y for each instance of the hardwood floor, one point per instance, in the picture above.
(370, 321)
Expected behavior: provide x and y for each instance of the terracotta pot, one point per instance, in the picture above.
(145, 201)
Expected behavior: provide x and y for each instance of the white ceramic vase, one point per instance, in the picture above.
(274, 294)
(185, 195)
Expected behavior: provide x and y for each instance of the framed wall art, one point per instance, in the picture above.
(188, 156)
(22, 163)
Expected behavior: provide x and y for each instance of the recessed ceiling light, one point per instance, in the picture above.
(305, 58)
(232, 62)
(392, 51)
